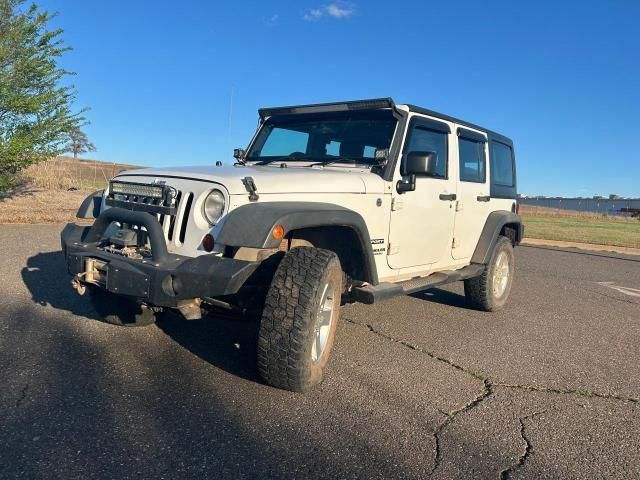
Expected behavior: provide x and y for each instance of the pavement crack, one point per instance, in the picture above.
(487, 390)
(570, 391)
(487, 387)
(528, 448)
(23, 395)
(478, 376)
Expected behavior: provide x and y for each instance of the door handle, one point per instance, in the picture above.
(448, 196)
(483, 198)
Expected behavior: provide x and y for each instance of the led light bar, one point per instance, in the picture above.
(372, 104)
(138, 190)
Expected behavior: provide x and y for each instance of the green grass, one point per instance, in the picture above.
(597, 230)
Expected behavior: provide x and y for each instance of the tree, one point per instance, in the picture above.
(79, 143)
(36, 114)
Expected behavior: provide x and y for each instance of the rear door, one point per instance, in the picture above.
(473, 200)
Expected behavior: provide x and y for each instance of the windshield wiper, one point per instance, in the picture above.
(339, 160)
(281, 159)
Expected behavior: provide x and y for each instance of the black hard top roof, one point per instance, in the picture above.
(370, 104)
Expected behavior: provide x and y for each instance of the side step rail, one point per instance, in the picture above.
(374, 293)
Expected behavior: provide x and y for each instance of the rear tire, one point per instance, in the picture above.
(490, 290)
(299, 319)
(121, 311)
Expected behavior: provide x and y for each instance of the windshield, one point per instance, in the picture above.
(332, 137)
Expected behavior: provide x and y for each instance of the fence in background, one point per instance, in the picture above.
(602, 206)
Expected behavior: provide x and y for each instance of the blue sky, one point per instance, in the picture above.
(560, 78)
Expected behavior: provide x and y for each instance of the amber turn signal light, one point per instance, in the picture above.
(278, 232)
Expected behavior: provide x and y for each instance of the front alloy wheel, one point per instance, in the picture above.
(299, 319)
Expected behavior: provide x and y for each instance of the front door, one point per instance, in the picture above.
(422, 220)
(473, 192)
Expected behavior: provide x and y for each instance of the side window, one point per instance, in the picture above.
(472, 160)
(425, 140)
(283, 142)
(501, 164)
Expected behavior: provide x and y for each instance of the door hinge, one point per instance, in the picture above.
(458, 206)
(453, 243)
(393, 249)
(396, 204)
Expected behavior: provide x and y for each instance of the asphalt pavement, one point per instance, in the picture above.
(417, 387)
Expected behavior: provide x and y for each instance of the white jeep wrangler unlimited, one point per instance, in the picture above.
(330, 203)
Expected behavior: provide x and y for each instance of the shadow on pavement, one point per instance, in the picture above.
(115, 409)
(227, 343)
(46, 277)
(444, 297)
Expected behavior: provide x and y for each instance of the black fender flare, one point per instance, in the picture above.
(251, 225)
(90, 206)
(491, 231)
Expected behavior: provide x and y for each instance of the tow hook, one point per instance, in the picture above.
(78, 286)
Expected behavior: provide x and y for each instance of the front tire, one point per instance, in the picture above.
(299, 319)
(490, 290)
(121, 311)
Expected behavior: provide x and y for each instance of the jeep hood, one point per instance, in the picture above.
(273, 179)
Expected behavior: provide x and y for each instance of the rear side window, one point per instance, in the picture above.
(472, 160)
(425, 140)
(501, 165)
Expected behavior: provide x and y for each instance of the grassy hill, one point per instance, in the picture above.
(51, 192)
(64, 173)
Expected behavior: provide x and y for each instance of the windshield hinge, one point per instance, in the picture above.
(396, 204)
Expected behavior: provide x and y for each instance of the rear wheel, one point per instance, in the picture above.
(299, 319)
(118, 310)
(490, 290)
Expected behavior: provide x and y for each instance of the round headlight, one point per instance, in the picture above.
(213, 206)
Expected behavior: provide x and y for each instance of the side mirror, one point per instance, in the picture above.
(420, 163)
(414, 164)
(239, 153)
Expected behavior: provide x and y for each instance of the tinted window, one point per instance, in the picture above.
(337, 137)
(472, 162)
(501, 164)
(282, 142)
(423, 140)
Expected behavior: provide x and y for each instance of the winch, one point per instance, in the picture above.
(129, 242)
(125, 237)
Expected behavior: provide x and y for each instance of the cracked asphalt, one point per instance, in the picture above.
(418, 387)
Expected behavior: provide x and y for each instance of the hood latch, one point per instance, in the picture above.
(250, 185)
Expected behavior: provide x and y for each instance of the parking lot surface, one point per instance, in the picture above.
(418, 386)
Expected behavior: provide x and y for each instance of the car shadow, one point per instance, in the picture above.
(45, 276)
(225, 341)
(444, 297)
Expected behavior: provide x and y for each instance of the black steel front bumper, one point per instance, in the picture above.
(163, 279)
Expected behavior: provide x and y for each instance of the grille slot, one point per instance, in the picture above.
(175, 226)
(172, 218)
(185, 217)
